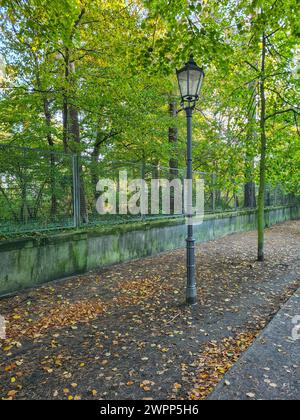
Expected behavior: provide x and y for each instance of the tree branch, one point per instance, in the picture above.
(252, 66)
(284, 111)
(296, 123)
(106, 138)
(76, 24)
(282, 98)
(274, 32)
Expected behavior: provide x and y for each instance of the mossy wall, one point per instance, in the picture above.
(29, 262)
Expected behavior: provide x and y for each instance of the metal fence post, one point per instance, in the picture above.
(76, 191)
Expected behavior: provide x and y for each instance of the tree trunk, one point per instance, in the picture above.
(263, 156)
(236, 202)
(24, 213)
(173, 139)
(250, 195)
(213, 193)
(250, 187)
(65, 112)
(75, 136)
(94, 172)
(48, 119)
(155, 170)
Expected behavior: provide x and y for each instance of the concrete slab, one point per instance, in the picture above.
(270, 369)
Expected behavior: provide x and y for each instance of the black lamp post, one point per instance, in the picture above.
(190, 79)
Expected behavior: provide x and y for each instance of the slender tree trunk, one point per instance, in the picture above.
(65, 123)
(65, 111)
(143, 169)
(48, 119)
(250, 187)
(155, 171)
(213, 192)
(236, 201)
(24, 213)
(173, 139)
(95, 161)
(262, 186)
(71, 129)
(250, 195)
(75, 136)
(94, 172)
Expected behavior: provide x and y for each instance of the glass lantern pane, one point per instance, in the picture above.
(195, 77)
(182, 79)
(200, 82)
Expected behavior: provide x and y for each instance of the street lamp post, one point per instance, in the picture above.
(190, 79)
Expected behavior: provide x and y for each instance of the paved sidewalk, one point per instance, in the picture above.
(123, 333)
(270, 369)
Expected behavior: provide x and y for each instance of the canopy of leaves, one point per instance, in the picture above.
(100, 74)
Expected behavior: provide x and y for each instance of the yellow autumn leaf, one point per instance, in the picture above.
(12, 393)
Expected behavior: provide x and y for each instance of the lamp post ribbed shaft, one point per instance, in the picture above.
(191, 291)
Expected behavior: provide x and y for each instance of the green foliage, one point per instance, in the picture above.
(110, 64)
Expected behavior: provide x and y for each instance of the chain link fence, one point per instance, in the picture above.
(46, 190)
(36, 190)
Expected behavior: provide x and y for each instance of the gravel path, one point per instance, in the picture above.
(123, 333)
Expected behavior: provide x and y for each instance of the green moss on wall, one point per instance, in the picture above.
(28, 262)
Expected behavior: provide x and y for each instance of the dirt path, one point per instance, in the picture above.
(122, 333)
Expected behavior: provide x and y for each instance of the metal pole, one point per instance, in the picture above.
(191, 291)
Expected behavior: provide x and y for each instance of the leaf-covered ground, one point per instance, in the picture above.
(270, 368)
(123, 333)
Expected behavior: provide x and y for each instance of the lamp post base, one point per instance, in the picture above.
(191, 289)
(191, 300)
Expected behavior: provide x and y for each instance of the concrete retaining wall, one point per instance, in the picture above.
(28, 262)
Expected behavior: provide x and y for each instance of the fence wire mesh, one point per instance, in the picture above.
(45, 190)
(36, 190)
